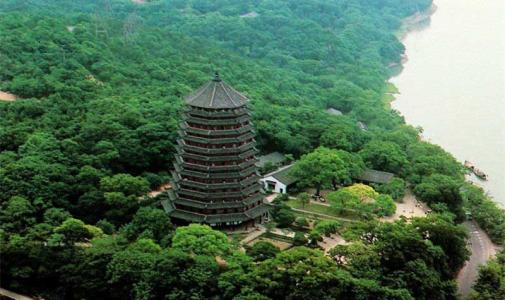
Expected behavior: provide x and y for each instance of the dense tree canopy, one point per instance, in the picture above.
(101, 94)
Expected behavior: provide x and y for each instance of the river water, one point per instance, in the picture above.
(453, 84)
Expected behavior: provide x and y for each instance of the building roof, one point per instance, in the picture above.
(334, 112)
(282, 175)
(274, 158)
(375, 176)
(216, 94)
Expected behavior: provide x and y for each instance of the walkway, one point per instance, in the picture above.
(482, 249)
(7, 96)
(253, 235)
(409, 207)
(12, 295)
(330, 242)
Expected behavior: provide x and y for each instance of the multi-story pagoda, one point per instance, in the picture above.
(215, 180)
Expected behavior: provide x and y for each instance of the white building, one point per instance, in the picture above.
(278, 181)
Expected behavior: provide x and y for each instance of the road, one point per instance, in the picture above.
(12, 295)
(482, 249)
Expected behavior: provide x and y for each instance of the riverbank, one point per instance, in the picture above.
(439, 90)
(420, 18)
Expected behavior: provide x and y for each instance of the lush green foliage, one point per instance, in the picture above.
(491, 282)
(362, 199)
(423, 255)
(486, 212)
(324, 166)
(96, 127)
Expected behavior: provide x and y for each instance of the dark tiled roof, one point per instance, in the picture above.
(375, 176)
(282, 175)
(216, 94)
(274, 158)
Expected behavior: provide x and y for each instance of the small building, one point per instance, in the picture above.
(334, 112)
(374, 176)
(274, 158)
(278, 181)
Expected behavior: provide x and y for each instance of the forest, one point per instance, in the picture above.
(100, 87)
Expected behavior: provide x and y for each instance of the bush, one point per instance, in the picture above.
(300, 239)
(301, 222)
(395, 188)
(314, 237)
(262, 250)
(284, 217)
(327, 227)
(384, 206)
(281, 198)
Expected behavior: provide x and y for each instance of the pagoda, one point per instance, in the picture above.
(215, 180)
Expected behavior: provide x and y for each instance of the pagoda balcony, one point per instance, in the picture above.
(231, 121)
(220, 218)
(207, 195)
(218, 204)
(216, 112)
(221, 150)
(221, 185)
(216, 132)
(243, 155)
(244, 173)
(237, 167)
(229, 140)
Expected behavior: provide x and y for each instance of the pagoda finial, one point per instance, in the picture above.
(216, 77)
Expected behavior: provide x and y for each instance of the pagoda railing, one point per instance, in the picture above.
(232, 184)
(242, 173)
(244, 193)
(216, 132)
(203, 121)
(217, 113)
(242, 155)
(203, 140)
(221, 150)
(238, 167)
(219, 204)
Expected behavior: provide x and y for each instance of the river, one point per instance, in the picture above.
(453, 84)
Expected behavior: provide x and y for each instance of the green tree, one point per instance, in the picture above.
(395, 188)
(299, 239)
(18, 215)
(442, 189)
(304, 199)
(385, 156)
(490, 283)
(262, 250)
(149, 222)
(201, 240)
(319, 167)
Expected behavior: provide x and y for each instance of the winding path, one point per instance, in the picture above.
(482, 249)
